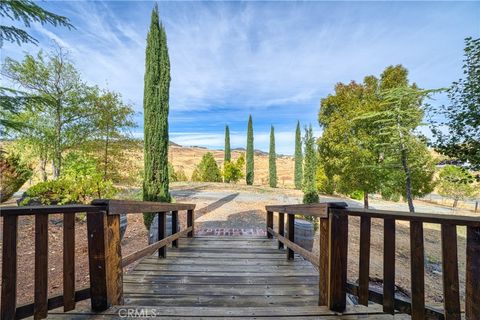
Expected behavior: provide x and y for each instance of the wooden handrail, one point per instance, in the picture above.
(332, 262)
(420, 217)
(104, 250)
(317, 210)
(64, 209)
(129, 206)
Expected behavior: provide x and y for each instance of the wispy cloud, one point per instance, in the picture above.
(274, 60)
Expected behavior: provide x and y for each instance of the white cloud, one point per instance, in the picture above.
(275, 60)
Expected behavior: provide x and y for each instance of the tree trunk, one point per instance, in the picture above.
(106, 156)
(455, 203)
(408, 181)
(57, 154)
(365, 200)
(43, 168)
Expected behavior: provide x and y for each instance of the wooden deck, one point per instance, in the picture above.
(224, 278)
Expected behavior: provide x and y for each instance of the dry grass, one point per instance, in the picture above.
(187, 158)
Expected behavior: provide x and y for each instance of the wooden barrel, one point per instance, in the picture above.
(153, 233)
(304, 233)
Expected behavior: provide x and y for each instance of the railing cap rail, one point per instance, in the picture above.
(314, 209)
(130, 206)
(415, 216)
(49, 209)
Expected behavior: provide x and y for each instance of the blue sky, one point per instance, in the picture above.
(274, 60)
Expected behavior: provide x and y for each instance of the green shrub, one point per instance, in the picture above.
(233, 171)
(207, 170)
(13, 175)
(176, 175)
(181, 176)
(48, 192)
(310, 197)
(357, 195)
(81, 181)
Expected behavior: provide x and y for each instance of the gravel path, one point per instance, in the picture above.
(242, 208)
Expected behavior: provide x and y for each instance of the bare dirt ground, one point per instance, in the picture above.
(239, 206)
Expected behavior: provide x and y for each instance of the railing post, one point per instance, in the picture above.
(281, 228)
(105, 260)
(269, 223)
(162, 232)
(96, 260)
(190, 222)
(68, 262)
(114, 261)
(9, 267)
(174, 227)
(472, 288)
(41, 266)
(291, 235)
(324, 260)
(337, 266)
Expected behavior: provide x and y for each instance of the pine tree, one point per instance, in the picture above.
(310, 193)
(228, 153)
(155, 104)
(298, 158)
(207, 170)
(249, 171)
(272, 161)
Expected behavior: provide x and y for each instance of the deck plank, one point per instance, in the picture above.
(255, 273)
(227, 278)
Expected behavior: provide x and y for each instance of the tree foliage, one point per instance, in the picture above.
(26, 12)
(298, 158)
(112, 119)
(156, 107)
(394, 127)
(369, 142)
(348, 160)
(309, 187)
(14, 172)
(61, 112)
(62, 117)
(207, 170)
(249, 176)
(233, 170)
(456, 183)
(457, 133)
(272, 161)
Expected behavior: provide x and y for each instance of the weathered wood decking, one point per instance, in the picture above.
(212, 277)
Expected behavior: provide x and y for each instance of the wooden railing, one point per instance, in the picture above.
(104, 253)
(332, 260)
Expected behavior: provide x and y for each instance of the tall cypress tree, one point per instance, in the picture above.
(298, 158)
(310, 192)
(272, 161)
(249, 174)
(155, 104)
(228, 153)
